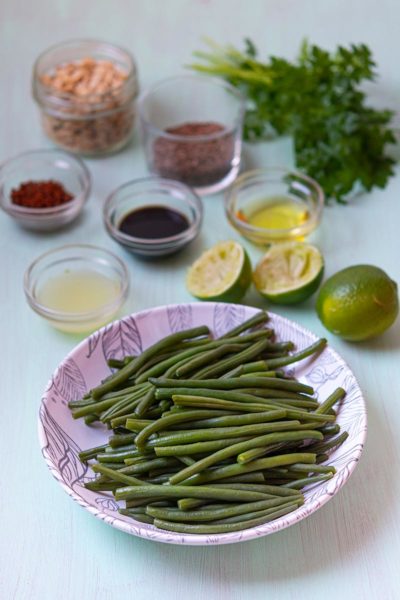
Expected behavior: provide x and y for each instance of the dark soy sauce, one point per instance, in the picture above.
(153, 222)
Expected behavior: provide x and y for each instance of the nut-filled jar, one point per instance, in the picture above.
(86, 92)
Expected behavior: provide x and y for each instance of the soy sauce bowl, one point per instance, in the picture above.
(147, 193)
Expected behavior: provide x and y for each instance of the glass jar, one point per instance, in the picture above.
(94, 123)
(192, 131)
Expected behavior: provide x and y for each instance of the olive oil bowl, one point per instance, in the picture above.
(274, 205)
(77, 288)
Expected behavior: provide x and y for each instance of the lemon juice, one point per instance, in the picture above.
(77, 293)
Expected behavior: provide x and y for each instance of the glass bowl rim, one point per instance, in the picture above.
(75, 163)
(185, 235)
(57, 315)
(237, 122)
(247, 176)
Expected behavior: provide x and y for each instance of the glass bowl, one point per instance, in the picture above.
(43, 165)
(94, 123)
(147, 193)
(192, 131)
(274, 205)
(77, 288)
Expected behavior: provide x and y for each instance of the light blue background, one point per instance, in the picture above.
(49, 547)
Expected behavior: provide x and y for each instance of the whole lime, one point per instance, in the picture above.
(358, 303)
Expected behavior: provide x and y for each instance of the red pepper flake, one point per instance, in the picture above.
(241, 216)
(40, 194)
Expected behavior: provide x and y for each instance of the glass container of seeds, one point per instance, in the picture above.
(86, 91)
(192, 131)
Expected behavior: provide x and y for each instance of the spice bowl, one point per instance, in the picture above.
(44, 166)
(153, 216)
(274, 205)
(192, 131)
(77, 288)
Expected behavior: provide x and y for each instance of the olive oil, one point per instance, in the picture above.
(277, 212)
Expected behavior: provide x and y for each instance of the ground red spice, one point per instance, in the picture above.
(40, 194)
(195, 162)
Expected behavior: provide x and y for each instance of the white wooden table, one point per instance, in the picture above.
(49, 547)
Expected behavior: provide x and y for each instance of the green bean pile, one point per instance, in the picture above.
(210, 435)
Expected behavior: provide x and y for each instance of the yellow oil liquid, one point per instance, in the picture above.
(77, 292)
(279, 212)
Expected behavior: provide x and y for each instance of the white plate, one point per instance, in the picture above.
(62, 437)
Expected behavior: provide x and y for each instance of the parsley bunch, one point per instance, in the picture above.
(338, 139)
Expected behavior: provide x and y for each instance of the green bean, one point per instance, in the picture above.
(233, 361)
(265, 393)
(255, 477)
(238, 448)
(186, 460)
(114, 363)
(89, 419)
(332, 443)
(258, 319)
(207, 358)
(177, 491)
(301, 468)
(205, 514)
(249, 455)
(105, 486)
(206, 402)
(117, 457)
(251, 487)
(138, 517)
(256, 465)
(223, 527)
(166, 422)
(256, 514)
(117, 476)
(96, 408)
(235, 382)
(161, 366)
(270, 490)
(223, 433)
(147, 465)
(131, 368)
(240, 419)
(301, 483)
(145, 402)
(121, 439)
(90, 453)
(337, 395)
(313, 416)
(330, 429)
(196, 447)
(301, 355)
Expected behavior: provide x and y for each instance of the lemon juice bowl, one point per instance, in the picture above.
(274, 205)
(76, 288)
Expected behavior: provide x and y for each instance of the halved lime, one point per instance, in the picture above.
(222, 273)
(289, 272)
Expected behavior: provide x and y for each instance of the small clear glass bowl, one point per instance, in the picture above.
(254, 189)
(81, 259)
(43, 165)
(207, 156)
(153, 192)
